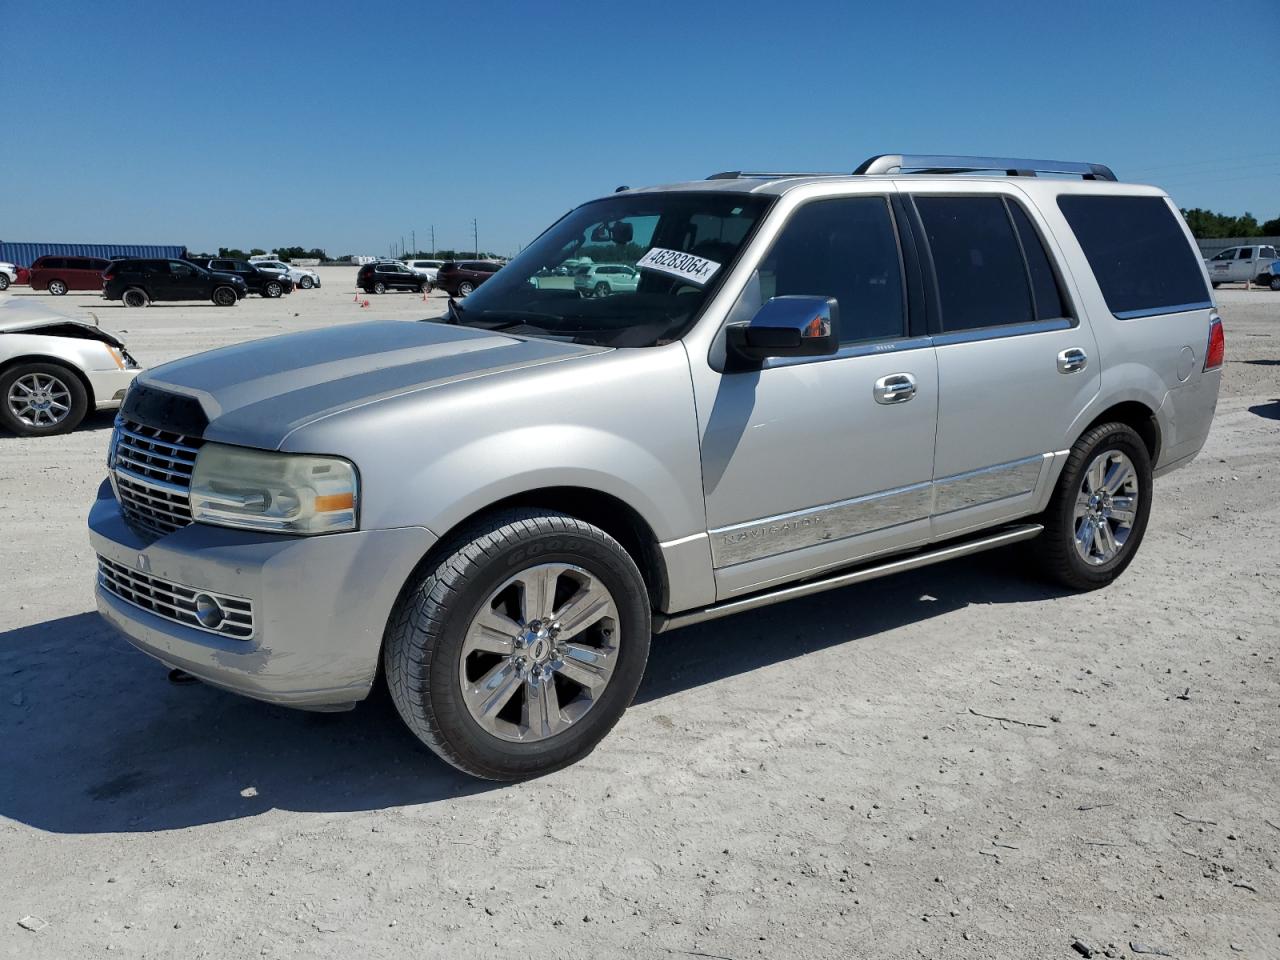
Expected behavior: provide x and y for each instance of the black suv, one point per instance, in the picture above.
(262, 282)
(139, 282)
(390, 275)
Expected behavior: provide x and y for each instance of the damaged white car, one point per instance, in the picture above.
(55, 369)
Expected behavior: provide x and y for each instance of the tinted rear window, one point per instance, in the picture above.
(1138, 252)
(1044, 282)
(982, 281)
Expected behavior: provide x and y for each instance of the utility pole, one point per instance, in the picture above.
(413, 239)
(475, 237)
(433, 241)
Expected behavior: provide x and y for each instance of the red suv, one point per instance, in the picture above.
(460, 277)
(60, 274)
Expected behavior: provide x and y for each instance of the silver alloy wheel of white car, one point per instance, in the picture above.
(1106, 507)
(305, 283)
(539, 653)
(39, 400)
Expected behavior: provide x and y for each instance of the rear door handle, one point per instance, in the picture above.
(1072, 359)
(895, 388)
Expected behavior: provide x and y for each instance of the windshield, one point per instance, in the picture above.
(666, 253)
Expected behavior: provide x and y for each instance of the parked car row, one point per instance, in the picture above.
(456, 277)
(62, 274)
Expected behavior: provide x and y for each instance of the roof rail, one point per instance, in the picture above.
(755, 175)
(1013, 167)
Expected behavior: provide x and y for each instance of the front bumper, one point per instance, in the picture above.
(109, 386)
(320, 603)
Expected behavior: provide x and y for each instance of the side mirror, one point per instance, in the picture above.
(786, 327)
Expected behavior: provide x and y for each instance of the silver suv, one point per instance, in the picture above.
(818, 380)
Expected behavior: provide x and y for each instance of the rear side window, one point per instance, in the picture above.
(1138, 253)
(982, 280)
(1049, 303)
(844, 248)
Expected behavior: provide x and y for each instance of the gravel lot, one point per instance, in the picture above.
(808, 781)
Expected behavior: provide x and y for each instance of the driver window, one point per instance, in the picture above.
(844, 248)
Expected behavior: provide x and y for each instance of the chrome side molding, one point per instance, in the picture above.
(663, 623)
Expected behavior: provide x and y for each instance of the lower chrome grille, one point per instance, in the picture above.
(178, 603)
(152, 473)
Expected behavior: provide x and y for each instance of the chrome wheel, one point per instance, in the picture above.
(57, 287)
(540, 652)
(305, 283)
(39, 400)
(1106, 507)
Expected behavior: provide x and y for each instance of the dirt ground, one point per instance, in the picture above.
(814, 780)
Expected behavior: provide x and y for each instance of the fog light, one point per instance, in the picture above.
(209, 611)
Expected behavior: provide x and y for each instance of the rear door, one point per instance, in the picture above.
(1015, 364)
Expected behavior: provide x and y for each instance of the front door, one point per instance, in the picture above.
(185, 282)
(1015, 365)
(812, 463)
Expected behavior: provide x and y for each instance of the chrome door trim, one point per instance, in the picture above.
(874, 348)
(977, 488)
(757, 539)
(798, 529)
(999, 332)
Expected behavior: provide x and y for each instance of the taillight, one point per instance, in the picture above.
(108, 275)
(1217, 350)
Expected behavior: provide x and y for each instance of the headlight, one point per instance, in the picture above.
(282, 492)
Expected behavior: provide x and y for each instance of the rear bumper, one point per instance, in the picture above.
(320, 604)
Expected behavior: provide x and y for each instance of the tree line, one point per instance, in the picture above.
(1207, 225)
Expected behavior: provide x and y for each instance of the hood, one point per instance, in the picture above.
(222, 275)
(18, 316)
(257, 393)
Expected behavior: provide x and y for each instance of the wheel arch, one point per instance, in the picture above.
(1135, 414)
(611, 514)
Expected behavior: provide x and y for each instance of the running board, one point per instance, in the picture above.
(663, 623)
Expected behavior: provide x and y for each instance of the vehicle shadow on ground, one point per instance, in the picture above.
(1269, 410)
(93, 739)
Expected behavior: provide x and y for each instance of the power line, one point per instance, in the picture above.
(1209, 162)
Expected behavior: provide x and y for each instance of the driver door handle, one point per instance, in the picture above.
(895, 388)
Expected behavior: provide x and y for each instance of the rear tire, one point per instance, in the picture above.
(424, 288)
(136, 297)
(379, 287)
(478, 674)
(58, 287)
(225, 296)
(1098, 514)
(465, 288)
(41, 400)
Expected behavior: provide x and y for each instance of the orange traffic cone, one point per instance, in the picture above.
(356, 298)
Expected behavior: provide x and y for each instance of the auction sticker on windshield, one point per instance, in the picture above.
(683, 265)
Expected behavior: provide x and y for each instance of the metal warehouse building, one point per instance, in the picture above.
(24, 254)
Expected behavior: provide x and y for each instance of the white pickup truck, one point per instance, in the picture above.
(1256, 264)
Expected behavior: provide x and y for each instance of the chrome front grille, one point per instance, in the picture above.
(178, 603)
(152, 473)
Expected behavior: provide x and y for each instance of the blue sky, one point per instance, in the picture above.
(346, 125)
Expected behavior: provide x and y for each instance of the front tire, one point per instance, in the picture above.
(41, 399)
(1098, 514)
(424, 288)
(4, 281)
(520, 645)
(225, 297)
(273, 289)
(57, 287)
(1275, 283)
(306, 283)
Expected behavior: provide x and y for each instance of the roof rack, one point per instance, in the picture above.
(1013, 167)
(755, 175)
